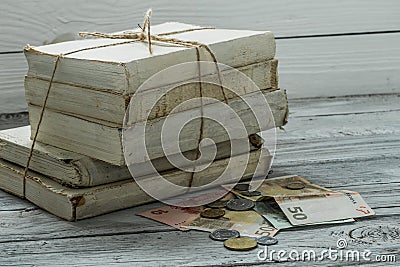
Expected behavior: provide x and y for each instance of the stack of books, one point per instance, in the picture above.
(79, 169)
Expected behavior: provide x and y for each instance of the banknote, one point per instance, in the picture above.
(279, 187)
(248, 223)
(177, 216)
(174, 216)
(204, 196)
(321, 208)
(271, 211)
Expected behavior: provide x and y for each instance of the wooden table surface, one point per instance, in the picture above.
(339, 61)
(341, 143)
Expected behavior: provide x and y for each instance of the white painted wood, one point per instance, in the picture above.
(176, 248)
(12, 70)
(41, 21)
(337, 66)
(344, 105)
(8, 203)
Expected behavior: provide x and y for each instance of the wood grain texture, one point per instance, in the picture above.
(40, 21)
(342, 143)
(336, 66)
(192, 249)
(12, 70)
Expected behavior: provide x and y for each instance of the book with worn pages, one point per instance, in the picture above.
(92, 87)
(104, 141)
(89, 100)
(80, 203)
(77, 170)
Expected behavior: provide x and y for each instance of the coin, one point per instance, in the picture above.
(240, 204)
(251, 193)
(240, 243)
(217, 204)
(267, 240)
(224, 234)
(212, 213)
(241, 187)
(295, 185)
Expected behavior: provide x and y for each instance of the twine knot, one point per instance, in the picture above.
(145, 36)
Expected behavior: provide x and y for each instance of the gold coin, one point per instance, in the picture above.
(240, 243)
(212, 213)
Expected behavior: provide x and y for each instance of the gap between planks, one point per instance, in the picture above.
(43, 20)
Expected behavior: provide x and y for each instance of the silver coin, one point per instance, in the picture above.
(295, 185)
(242, 187)
(240, 204)
(267, 240)
(251, 193)
(224, 234)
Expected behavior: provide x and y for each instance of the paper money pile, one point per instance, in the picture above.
(279, 203)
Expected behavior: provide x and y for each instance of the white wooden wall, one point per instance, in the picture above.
(325, 47)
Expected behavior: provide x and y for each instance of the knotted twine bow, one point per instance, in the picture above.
(146, 37)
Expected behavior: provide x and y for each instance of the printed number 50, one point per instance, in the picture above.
(298, 213)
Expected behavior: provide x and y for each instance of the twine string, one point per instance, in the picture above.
(144, 36)
(37, 127)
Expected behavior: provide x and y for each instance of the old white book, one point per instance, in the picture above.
(103, 140)
(75, 204)
(99, 104)
(78, 170)
(123, 68)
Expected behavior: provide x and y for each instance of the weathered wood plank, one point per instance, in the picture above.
(188, 249)
(12, 70)
(12, 203)
(326, 106)
(41, 21)
(340, 126)
(336, 66)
